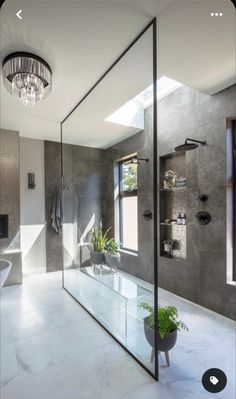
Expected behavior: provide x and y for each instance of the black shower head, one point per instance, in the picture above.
(189, 146)
(186, 147)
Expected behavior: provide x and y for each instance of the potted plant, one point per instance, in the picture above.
(168, 326)
(98, 242)
(112, 255)
(168, 246)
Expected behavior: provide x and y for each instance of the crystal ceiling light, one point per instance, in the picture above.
(27, 77)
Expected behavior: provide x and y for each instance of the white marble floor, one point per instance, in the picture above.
(51, 347)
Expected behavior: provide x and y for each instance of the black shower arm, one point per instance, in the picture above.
(142, 159)
(195, 141)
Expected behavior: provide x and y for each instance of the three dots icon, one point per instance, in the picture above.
(216, 14)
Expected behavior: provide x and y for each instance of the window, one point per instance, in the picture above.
(128, 204)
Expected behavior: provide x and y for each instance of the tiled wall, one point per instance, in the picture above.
(89, 199)
(10, 202)
(84, 172)
(52, 179)
(83, 185)
(202, 276)
(142, 264)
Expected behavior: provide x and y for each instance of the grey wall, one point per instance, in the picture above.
(32, 207)
(141, 264)
(10, 202)
(202, 277)
(88, 198)
(83, 184)
(84, 178)
(52, 179)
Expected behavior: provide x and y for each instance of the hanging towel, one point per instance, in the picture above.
(56, 211)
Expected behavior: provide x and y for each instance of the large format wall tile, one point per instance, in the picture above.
(202, 277)
(52, 179)
(10, 202)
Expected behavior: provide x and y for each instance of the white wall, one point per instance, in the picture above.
(32, 201)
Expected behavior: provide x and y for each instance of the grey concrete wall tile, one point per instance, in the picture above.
(10, 201)
(206, 174)
(218, 106)
(52, 179)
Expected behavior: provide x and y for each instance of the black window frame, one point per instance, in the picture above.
(234, 195)
(123, 194)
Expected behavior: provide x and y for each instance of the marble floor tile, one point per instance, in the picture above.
(35, 302)
(105, 373)
(83, 336)
(28, 324)
(151, 390)
(41, 352)
(52, 348)
(9, 366)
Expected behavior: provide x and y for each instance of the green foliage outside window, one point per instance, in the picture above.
(129, 177)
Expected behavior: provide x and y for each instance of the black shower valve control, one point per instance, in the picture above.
(203, 197)
(147, 214)
(203, 217)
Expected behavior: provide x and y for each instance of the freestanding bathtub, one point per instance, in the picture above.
(5, 268)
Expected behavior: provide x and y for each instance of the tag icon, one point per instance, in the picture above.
(214, 380)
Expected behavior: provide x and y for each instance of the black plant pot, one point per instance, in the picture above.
(163, 344)
(97, 258)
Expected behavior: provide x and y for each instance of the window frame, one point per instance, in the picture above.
(124, 194)
(234, 195)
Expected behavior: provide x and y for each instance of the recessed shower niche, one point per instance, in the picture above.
(173, 212)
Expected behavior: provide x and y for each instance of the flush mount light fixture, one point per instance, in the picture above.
(27, 77)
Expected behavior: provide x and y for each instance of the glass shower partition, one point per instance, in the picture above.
(108, 163)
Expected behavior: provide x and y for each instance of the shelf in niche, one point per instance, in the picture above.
(175, 258)
(173, 224)
(171, 205)
(173, 188)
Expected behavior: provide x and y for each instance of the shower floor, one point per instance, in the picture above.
(51, 347)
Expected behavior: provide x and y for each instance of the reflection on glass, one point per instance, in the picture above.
(107, 186)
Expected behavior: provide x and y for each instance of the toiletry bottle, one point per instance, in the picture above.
(179, 219)
(184, 219)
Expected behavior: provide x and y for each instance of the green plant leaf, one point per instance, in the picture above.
(168, 319)
(99, 239)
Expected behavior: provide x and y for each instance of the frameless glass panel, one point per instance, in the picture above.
(195, 180)
(108, 232)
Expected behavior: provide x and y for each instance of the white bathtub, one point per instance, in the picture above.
(5, 268)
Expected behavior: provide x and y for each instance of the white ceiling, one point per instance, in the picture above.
(87, 125)
(195, 48)
(81, 39)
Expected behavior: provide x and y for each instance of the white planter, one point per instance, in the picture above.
(113, 261)
(168, 249)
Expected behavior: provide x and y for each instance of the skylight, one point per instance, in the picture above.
(132, 113)
(165, 86)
